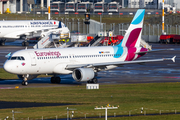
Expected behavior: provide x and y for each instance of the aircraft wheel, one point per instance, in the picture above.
(58, 79)
(94, 80)
(53, 80)
(26, 43)
(25, 83)
(23, 43)
(2, 43)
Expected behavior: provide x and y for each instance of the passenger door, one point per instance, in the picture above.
(33, 59)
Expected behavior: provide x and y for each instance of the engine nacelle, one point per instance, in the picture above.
(83, 74)
(30, 77)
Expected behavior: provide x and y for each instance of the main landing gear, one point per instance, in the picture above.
(55, 80)
(94, 80)
(25, 43)
(2, 42)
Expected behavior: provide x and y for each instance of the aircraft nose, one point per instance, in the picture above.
(7, 67)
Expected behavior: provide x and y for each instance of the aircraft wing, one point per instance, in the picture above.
(17, 34)
(118, 63)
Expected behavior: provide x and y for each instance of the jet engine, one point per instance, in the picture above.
(30, 77)
(83, 74)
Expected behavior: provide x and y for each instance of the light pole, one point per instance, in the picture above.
(49, 10)
(163, 17)
(13, 114)
(100, 22)
(106, 108)
(68, 109)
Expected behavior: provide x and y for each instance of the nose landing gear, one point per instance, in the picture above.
(25, 83)
(25, 80)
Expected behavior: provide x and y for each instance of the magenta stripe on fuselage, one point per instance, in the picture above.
(133, 37)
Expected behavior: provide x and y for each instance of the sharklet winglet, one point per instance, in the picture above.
(173, 59)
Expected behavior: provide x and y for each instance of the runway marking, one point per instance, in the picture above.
(7, 87)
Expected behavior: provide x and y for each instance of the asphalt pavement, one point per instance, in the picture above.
(166, 71)
(155, 72)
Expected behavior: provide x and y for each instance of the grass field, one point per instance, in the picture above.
(153, 97)
(6, 76)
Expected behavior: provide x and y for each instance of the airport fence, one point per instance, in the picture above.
(119, 29)
(84, 115)
(150, 33)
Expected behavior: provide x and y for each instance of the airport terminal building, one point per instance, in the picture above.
(19, 6)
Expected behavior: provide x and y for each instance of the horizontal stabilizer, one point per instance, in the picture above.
(153, 51)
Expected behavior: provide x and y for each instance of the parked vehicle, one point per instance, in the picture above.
(57, 6)
(170, 38)
(169, 9)
(113, 7)
(70, 7)
(85, 7)
(113, 40)
(100, 7)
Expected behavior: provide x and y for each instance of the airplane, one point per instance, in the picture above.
(82, 62)
(29, 29)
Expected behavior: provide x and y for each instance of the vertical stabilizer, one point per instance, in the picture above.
(132, 37)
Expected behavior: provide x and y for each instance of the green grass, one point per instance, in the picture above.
(153, 97)
(6, 76)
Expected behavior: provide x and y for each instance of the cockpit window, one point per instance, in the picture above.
(17, 58)
(13, 58)
(22, 58)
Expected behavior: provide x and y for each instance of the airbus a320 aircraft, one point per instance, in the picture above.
(29, 29)
(82, 62)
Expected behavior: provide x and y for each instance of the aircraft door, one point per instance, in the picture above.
(71, 58)
(33, 59)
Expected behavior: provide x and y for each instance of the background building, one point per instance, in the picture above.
(14, 6)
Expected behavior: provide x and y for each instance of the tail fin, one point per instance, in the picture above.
(60, 26)
(133, 34)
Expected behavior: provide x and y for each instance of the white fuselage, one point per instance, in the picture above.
(14, 29)
(55, 61)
